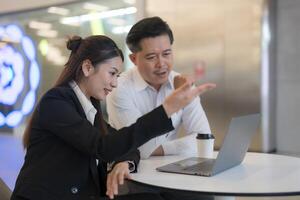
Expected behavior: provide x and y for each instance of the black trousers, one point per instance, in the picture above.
(138, 196)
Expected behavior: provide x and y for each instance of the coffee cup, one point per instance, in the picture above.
(205, 145)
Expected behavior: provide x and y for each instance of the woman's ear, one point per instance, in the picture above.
(87, 68)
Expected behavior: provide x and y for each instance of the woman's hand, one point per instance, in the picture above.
(199, 72)
(116, 177)
(184, 95)
(185, 91)
(179, 80)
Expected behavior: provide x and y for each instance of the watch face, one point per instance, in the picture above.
(131, 166)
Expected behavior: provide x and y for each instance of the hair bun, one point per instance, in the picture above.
(73, 43)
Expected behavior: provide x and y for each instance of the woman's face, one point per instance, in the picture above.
(102, 78)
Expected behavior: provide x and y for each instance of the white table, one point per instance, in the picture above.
(259, 175)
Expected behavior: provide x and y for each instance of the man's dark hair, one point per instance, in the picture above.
(145, 28)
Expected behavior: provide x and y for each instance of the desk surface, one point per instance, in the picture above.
(259, 175)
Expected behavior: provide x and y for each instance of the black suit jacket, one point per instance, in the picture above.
(60, 162)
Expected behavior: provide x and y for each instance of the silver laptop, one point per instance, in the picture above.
(232, 152)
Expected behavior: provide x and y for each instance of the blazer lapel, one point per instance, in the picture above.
(77, 103)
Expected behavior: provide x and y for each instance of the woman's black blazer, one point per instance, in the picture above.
(60, 162)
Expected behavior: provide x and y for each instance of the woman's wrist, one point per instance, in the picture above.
(168, 109)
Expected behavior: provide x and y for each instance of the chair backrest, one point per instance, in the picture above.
(5, 192)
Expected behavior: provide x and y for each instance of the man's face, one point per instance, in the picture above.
(155, 60)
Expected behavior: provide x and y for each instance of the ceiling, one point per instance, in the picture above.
(7, 6)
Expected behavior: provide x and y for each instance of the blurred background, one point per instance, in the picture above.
(250, 48)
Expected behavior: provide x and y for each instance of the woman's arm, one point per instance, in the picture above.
(57, 113)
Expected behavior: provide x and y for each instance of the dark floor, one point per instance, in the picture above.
(11, 158)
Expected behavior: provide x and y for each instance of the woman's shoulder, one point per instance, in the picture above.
(60, 97)
(59, 92)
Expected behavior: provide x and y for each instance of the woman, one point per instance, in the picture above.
(69, 144)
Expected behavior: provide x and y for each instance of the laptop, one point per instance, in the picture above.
(232, 152)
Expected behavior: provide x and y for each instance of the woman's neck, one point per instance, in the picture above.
(82, 86)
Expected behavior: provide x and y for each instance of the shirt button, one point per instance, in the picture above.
(74, 190)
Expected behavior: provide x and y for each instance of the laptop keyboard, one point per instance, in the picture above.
(203, 166)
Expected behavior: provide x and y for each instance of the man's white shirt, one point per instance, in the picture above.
(134, 97)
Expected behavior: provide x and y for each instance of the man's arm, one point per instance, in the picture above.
(121, 109)
(159, 151)
(194, 118)
(194, 121)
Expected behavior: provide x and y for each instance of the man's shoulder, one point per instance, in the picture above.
(127, 77)
(125, 85)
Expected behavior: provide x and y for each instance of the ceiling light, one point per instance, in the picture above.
(47, 33)
(131, 2)
(92, 6)
(58, 11)
(39, 25)
(100, 15)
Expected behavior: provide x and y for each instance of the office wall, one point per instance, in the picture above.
(288, 77)
(228, 36)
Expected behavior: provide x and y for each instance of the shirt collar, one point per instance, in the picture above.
(84, 101)
(140, 84)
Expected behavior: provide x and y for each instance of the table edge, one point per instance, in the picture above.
(262, 194)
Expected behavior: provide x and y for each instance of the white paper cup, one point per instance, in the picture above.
(205, 144)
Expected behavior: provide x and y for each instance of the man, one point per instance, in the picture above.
(144, 87)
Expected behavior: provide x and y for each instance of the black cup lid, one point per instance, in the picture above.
(205, 136)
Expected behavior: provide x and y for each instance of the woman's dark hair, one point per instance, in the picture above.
(145, 28)
(97, 49)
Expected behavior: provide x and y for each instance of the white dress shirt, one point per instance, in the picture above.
(134, 97)
(88, 108)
